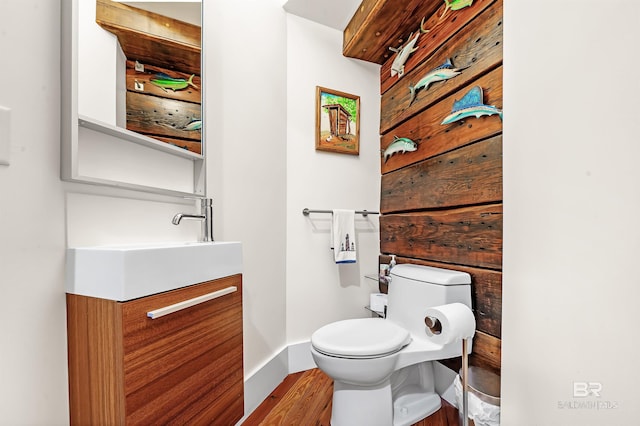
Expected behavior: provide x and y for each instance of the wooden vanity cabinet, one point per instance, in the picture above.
(182, 368)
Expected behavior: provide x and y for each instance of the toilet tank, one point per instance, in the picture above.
(415, 288)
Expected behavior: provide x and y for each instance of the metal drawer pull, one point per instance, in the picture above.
(191, 302)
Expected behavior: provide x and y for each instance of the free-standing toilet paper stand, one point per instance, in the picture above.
(435, 325)
(465, 372)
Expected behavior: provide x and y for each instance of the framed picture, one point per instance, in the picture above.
(337, 121)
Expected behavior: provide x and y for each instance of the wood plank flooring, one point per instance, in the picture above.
(304, 399)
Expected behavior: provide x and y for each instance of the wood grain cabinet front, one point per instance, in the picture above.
(182, 367)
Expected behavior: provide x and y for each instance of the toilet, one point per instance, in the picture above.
(382, 368)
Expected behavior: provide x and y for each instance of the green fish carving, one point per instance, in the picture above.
(165, 82)
(448, 5)
(401, 145)
(457, 4)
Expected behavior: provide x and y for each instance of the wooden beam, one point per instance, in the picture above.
(152, 38)
(380, 24)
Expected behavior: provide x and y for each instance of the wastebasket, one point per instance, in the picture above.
(483, 398)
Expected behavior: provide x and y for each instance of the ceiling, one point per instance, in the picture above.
(332, 13)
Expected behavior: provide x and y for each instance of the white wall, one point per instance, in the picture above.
(246, 105)
(318, 290)
(571, 207)
(32, 234)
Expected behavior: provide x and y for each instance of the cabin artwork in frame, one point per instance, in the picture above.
(337, 121)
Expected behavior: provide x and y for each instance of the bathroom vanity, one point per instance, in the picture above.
(166, 356)
(184, 367)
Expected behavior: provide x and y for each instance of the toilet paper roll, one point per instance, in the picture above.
(377, 301)
(452, 322)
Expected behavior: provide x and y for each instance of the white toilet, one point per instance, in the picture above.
(382, 369)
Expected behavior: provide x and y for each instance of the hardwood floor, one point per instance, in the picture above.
(304, 399)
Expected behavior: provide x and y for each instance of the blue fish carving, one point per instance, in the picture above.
(471, 105)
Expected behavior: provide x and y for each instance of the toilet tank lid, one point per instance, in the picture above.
(431, 274)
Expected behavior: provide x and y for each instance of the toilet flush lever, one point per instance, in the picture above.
(433, 324)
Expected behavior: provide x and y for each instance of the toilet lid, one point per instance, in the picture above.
(360, 338)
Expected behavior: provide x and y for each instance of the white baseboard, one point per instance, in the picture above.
(300, 358)
(263, 381)
(291, 359)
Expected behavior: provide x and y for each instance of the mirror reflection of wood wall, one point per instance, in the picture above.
(163, 73)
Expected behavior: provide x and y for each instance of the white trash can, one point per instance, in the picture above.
(483, 398)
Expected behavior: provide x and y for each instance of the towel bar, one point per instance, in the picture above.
(362, 212)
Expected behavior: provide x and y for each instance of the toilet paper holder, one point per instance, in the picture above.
(433, 324)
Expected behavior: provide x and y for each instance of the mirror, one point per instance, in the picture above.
(133, 95)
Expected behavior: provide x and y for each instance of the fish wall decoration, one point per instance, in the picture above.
(402, 54)
(400, 145)
(165, 82)
(456, 4)
(441, 73)
(193, 125)
(448, 5)
(471, 105)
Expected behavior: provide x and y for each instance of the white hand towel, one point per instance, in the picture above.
(343, 230)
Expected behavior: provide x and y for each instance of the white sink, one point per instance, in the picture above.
(128, 272)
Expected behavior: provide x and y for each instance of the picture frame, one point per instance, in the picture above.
(337, 121)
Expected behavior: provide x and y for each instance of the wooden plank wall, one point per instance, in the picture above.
(441, 205)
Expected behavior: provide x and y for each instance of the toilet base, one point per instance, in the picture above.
(414, 395)
(414, 405)
(355, 405)
(374, 406)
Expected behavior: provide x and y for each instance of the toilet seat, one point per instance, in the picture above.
(360, 338)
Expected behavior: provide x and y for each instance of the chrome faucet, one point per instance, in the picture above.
(206, 216)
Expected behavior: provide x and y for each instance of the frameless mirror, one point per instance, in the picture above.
(132, 95)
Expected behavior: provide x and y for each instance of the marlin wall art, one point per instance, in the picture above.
(441, 73)
(471, 105)
(401, 145)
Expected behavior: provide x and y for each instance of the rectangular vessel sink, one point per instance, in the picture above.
(132, 271)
